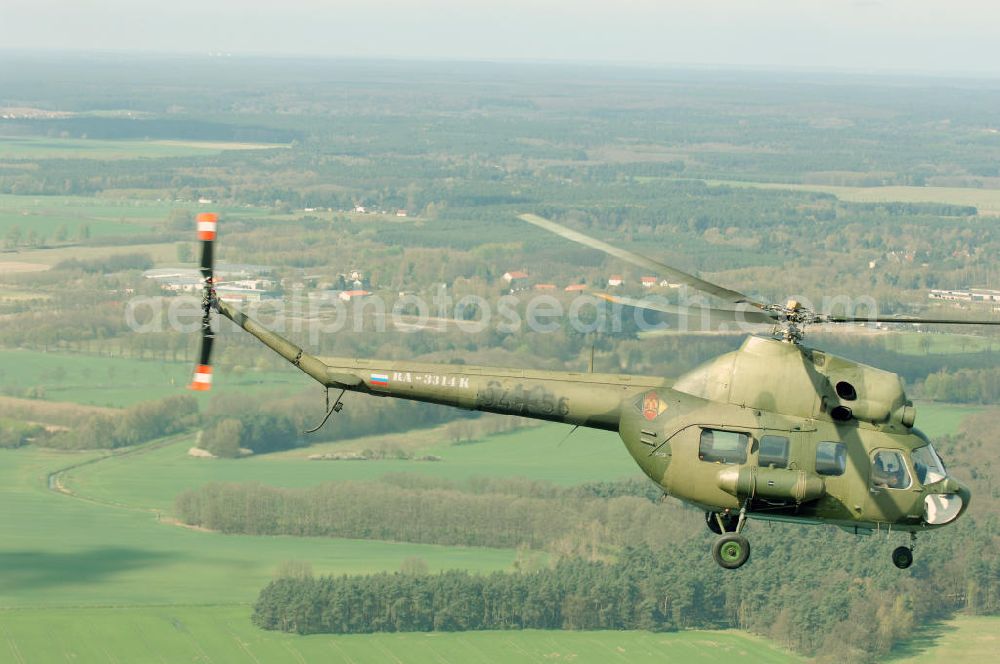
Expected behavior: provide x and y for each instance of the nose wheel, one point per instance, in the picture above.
(902, 556)
(731, 550)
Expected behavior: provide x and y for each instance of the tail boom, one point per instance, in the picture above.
(585, 399)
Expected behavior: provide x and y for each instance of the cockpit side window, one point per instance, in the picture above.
(927, 465)
(889, 471)
(831, 458)
(718, 446)
(773, 452)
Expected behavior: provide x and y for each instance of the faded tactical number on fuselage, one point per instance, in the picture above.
(519, 400)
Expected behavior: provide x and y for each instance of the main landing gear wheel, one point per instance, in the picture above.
(732, 550)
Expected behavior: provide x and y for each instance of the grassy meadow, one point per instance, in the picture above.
(38, 147)
(986, 200)
(118, 382)
(151, 478)
(942, 419)
(223, 634)
(68, 551)
(962, 639)
(103, 217)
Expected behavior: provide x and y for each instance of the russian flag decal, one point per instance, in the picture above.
(380, 380)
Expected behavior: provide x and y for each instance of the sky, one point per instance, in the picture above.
(935, 36)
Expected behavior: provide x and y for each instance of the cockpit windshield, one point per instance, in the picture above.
(927, 465)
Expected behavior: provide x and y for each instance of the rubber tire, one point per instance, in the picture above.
(731, 551)
(902, 557)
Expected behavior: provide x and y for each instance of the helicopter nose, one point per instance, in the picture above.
(942, 508)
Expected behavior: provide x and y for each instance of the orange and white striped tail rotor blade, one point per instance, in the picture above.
(202, 378)
(207, 222)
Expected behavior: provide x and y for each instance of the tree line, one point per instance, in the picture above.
(136, 424)
(964, 385)
(260, 423)
(490, 513)
(857, 606)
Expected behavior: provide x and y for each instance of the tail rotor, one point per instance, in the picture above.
(207, 223)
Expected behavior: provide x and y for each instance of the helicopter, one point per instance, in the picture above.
(775, 430)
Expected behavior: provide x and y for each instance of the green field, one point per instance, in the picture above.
(161, 252)
(942, 344)
(32, 147)
(957, 641)
(986, 200)
(86, 581)
(103, 216)
(118, 382)
(151, 479)
(59, 550)
(942, 419)
(224, 634)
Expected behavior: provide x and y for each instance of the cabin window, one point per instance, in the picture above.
(928, 465)
(723, 446)
(831, 458)
(773, 452)
(889, 471)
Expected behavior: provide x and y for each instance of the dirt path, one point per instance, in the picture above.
(54, 480)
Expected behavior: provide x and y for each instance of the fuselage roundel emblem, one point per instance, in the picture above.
(652, 406)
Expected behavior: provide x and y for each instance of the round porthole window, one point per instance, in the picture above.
(841, 413)
(846, 391)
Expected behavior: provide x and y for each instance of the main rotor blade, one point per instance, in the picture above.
(642, 261)
(904, 319)
(716, 314)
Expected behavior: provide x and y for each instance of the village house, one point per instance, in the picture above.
(351, 295)
(517, 280)
(967, 295)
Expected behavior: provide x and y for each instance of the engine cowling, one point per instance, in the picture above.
(772, 484)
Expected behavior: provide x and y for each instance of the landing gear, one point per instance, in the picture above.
(731, 550)
(720, 522)
(902, 557)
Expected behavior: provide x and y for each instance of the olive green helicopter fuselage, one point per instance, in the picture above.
(774, 430)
